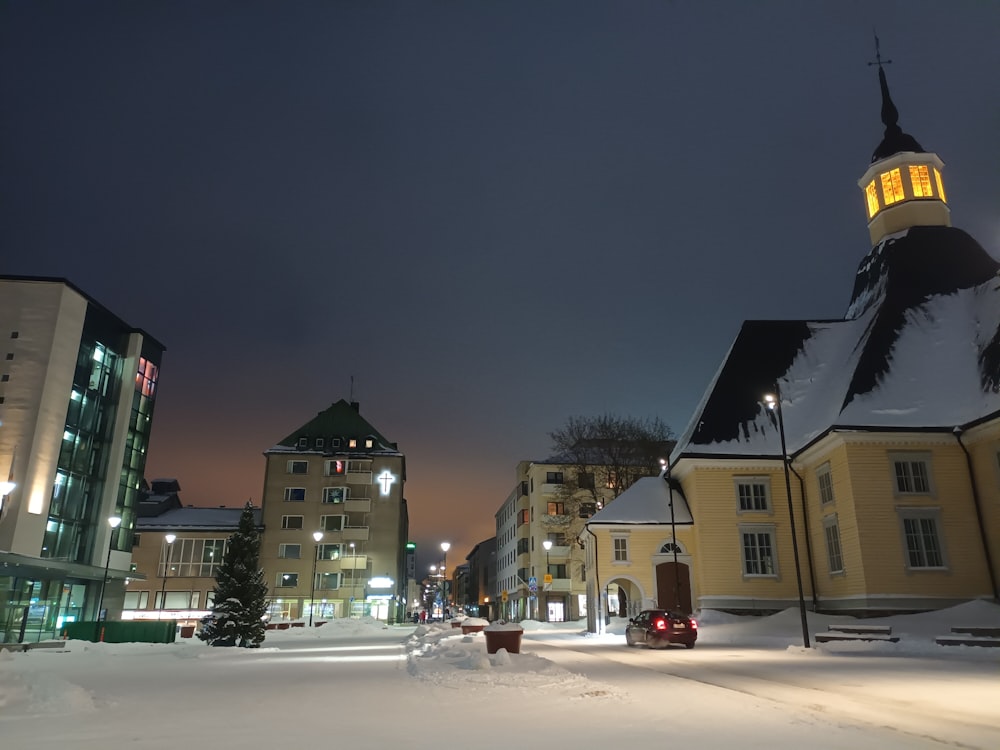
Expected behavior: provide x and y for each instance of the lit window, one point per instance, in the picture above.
(334, 494)
(892, 187)
(555, 509)
(352, 443)
(940, 185)
(328, 552)
(921, 180)
(871, 193)
(335, 468)
(369, 443)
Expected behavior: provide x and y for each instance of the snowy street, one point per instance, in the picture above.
(747, 684)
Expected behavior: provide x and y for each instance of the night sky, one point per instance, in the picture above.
(494, 216)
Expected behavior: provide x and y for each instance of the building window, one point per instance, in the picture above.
(555, 509)
(290, 551)
(587, 509)
(831, 529)
(334, 494)
(352, 443)
(553, 477)
(940, 185)
(912, 475)
(523, 546)
(620, 547)
(327, 581)
(295, 494)
(359, 467)
(303, 443)
(522, 517)
(923, 544)
(369, 443)
(4, 378)
(669, 548)
(334, 442)
(297, 467)
(328, 552)
(331, 523)
(320, 444)
(287, 580)
(892, 187)
(14, 334)
(920, 179)
(871, 194)
(752, 493)
(136, 599)
(758, 551)
(10, 355)
(291, 522)
(336, 468)
(825, 478)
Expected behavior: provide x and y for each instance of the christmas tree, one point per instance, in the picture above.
(240, 593)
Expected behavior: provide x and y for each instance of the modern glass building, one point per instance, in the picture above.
(77, 390)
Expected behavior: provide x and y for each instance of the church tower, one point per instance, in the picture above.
(902, 188)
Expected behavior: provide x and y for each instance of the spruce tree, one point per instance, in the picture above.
(240, 593)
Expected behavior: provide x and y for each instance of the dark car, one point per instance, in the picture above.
(658, 628)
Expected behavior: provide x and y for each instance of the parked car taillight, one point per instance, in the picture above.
(694, 624)
(660, 624)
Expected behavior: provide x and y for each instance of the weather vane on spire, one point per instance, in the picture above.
(878, 53)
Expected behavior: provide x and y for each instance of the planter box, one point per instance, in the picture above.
(456, 623)
(298, 624)
(466, 629)
(506, 639)
(187, 631)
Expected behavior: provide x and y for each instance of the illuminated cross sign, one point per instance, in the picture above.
(385, 479)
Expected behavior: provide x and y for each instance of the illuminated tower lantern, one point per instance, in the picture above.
(903, 187)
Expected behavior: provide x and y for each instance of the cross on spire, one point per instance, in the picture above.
(878, 53)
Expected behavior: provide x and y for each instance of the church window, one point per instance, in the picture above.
(758, 551)
(923, 542)
(940, 186)
(825, 478)
(920, 178)
(872, 195)
(752, 494)
(892, 187)
(834, 555)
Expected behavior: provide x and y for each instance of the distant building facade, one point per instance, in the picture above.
(337, 477)
(77, 390)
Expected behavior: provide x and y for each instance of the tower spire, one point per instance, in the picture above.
(894, 140)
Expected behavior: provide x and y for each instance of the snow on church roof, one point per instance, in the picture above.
(918, 349)
(647, 501)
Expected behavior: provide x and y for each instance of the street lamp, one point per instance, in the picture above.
(317, 535)
(169, 539)
(665, 462)
(445, 546)
(354, 578)
(114, 522)
(773, 401)
(547, 544)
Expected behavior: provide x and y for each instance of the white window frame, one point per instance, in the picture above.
(756, 530)
(290, 490)
(619, 549)
(824, 478)
(908, 460)
(922, 514)
(834, 549)
(751, 482)
(342, 488)
(292, 464)
(285, 548)
(285, 523)
(322, 546)
(141, 600)
(303, 443)
(323, 522)
(337, 576)
(331, 463)
(280, 581)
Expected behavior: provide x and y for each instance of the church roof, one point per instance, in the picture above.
(894, 140)
(919, 349)
(647, 501)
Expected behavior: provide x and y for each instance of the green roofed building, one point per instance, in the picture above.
(339, 479)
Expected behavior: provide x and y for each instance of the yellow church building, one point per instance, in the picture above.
(852, 464)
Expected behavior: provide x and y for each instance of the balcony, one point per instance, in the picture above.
(356, 534)
(552, 488)
(358, 506)
(560, 585)
(359, 477)
(354, 562)
(559, 552)
(556, 521)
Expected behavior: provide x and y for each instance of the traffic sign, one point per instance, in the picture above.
(547, 580)
(503, 595)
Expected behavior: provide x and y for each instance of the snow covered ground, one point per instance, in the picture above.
(747, 684)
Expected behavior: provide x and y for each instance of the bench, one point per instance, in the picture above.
(31, 646)
(857, 633)
(967, 640)
(984, 632)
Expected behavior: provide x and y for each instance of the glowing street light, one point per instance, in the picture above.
(445, 546)
(547, 544)
(354, 577)
(773, 401)
(114, 522)
(169, 539)
(317, 535)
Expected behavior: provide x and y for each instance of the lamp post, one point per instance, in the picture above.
(169, 539)
(354, 578)
(317, 535)
(774, 403)
(114, 522)
(547, 544)
(665, 462)
(445, 546)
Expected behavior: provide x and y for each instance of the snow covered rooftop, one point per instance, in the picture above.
(645, 502)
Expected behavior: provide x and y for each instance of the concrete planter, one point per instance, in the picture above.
(506, 639)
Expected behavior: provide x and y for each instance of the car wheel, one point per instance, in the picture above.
(689, 645)
(628, 641)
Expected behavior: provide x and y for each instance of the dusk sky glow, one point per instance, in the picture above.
(493, 216)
